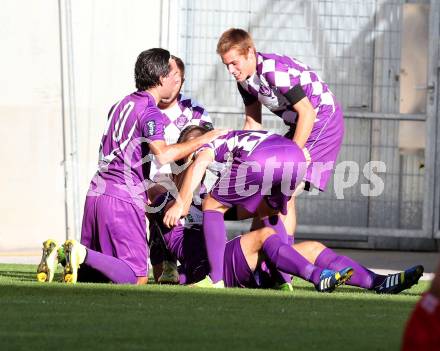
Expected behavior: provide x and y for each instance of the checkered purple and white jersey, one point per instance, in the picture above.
(281, 81)
(237, 143)
(183, 114)
(132, 124)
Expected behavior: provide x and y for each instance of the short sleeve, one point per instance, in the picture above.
(209, 146)
(153, 124)
(287, 81)
(295, 94)
(202, 118)
(248, 98)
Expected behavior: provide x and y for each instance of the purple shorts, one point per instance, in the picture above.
(323, 145)
(236, 271)
(271, 172)
(116, 228)
(188, 246)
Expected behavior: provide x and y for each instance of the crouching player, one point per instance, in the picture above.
(269, 157)
(314, 252)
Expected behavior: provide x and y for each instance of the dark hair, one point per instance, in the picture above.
(150, 66)
(191, 132)
(180, 65)
(187, 133)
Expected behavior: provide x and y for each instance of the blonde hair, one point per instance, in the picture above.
(235, 38)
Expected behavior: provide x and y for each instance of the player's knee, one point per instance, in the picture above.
(265, 233)
(142, 280)
(315, 247)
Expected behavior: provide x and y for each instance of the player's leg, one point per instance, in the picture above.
(274, 222)
(114, 269)
(289, 219)
(251, 244)
(324, 257)
(215, 235)
(49, 261)
(287, 259)
(117, 248)
(163, 262)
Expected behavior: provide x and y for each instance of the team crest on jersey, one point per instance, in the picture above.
(151, 125)
(181, 121)
(264, 90)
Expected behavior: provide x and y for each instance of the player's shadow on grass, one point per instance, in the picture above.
(19, 275)
(349, 289)
(26, 276)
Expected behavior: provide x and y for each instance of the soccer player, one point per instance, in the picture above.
(295, 93)
(258, 175)
(422, 330)
(245, 267)
(113, 234)
(179, 112)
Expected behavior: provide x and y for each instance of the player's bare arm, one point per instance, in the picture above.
(306, 118)
(170, 153)
(192, 179)
(253, 116)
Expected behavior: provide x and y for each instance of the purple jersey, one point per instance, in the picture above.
(185, 242)
(279, 83)
(255, 165)
(133, 123)
(235, 143)
(176, 118)
(183, 114)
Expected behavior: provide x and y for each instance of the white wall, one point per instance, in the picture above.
(107, 37)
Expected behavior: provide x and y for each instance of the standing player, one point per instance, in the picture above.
(294, 92)
(114, 226)
(261, 171)
(183, 242)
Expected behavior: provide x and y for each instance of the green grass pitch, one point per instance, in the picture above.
(36, 316)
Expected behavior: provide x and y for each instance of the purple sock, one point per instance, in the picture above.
(277, 225)
(113, 268)
(182, 278)
(215, 239)
(288, 260)
(362, 276)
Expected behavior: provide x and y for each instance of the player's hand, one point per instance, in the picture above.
(173, 215)
(214, 134)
